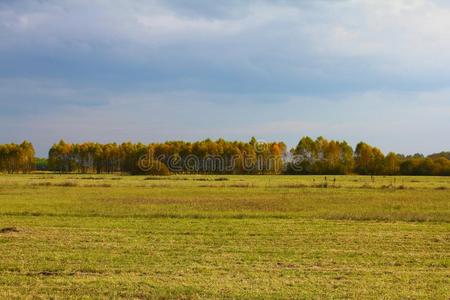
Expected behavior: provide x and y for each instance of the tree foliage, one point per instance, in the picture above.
(15, 158)
(203, 157)
(319, 156)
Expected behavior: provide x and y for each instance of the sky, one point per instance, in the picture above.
(157, 70)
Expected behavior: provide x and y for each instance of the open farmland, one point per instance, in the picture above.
(104, 236)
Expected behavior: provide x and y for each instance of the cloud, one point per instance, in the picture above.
(21, 96)
(191, 69)
(375, 117)
(272, 46)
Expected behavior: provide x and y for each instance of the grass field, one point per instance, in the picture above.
(110, 236)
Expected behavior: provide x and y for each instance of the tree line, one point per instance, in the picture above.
(321, 156)
(203, 157)
(309, 157)
(15, 158)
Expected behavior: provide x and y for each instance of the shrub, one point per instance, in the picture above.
(152, 167)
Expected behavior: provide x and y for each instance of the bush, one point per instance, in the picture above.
(151, 167)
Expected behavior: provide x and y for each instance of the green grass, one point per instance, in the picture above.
(107, 236)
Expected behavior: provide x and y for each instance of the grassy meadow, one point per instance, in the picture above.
(195, 237)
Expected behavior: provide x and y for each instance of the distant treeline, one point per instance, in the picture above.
(16, 158)
(206, 157)
(319, 156)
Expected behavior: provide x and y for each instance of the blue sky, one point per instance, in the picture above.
(148, 71)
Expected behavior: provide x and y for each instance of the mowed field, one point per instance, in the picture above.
(303, 237)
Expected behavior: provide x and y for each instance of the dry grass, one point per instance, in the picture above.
(195, 237)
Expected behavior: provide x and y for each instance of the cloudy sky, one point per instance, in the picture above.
(117, 70)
